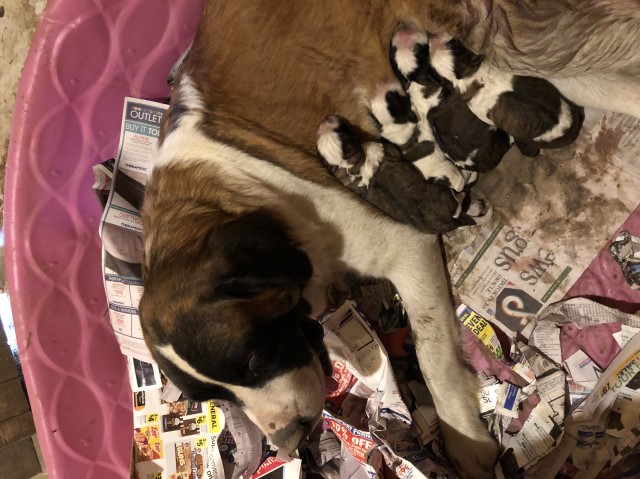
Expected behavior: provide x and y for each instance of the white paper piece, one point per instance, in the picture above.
(536, 438)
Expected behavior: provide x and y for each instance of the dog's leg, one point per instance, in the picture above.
(373, 245)
(422, 284)
(607, 92)
(400, 125)
(413, 263)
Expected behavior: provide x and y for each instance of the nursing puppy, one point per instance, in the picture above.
(529, 109)
(589, 49)
(381, 175)
(466, 140)
(402, 126)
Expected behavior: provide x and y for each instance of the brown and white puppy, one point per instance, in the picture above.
(463, 138)
(589, 49)
(237, 200)
(379, 173)
(529, 109)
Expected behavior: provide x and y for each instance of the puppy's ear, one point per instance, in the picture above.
(465, 62)
(254, 253)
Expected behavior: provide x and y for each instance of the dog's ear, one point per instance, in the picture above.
(253, 253)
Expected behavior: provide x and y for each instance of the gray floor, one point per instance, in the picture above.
(18, 19)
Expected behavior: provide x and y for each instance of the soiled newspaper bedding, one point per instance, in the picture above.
(559, 380)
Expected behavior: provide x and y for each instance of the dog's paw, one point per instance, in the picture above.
(472, 457)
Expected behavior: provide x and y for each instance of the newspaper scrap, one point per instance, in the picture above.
(533, 250)
(481, 328)
(120, 225)
(191, 439)
(380, 421)
(625, 249)
(602, 418)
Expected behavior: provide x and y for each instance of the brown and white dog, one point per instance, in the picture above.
(243, 226)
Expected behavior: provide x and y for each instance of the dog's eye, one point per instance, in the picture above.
(248, 362)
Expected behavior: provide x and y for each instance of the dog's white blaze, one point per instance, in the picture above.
(170, 355)
(379, 103)
(405, 57)
(267, 406)
(564, 122)
(398, 133)
(406, 61)
(441, 58)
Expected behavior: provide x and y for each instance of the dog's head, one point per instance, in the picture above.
(224, 317)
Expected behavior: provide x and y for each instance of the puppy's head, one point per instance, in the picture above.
(409, 55)
(224, 318)
(451, 59)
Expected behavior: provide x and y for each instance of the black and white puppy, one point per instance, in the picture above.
(529, 109)
(378, 173)
(466, 140)
(399, 124)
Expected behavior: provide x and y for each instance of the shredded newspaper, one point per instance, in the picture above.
(529, 354)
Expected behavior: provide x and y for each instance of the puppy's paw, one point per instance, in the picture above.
(480, 210)
(470, 177)
(437, 169)
(472, 457)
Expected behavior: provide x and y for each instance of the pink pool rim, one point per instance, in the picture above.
(86, 56)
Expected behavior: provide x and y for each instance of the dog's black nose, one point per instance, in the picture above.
(290, 436)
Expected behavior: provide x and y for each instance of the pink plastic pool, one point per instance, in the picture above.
(85, 58)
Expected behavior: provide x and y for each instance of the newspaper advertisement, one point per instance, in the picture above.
(534, 249)
(192, 440)
(120, 226)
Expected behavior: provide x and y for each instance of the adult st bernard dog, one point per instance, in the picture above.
(243, 226)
